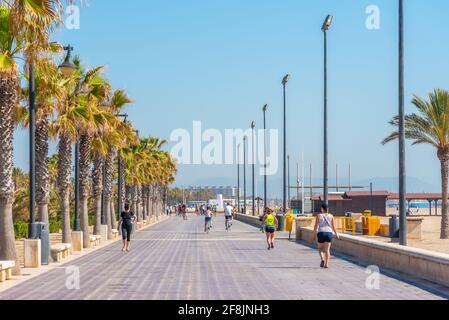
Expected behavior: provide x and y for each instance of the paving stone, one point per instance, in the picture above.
(175, 260)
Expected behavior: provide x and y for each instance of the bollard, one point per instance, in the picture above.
(77, 241)
(33, 254)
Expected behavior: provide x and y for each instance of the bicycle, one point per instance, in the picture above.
(228, 223)
(208, 226)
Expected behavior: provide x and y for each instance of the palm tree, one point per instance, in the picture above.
(91, 91)
(430, 125)
(24, 30)
(112, 136)
(49, 88)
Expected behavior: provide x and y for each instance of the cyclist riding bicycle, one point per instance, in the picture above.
(228, 212)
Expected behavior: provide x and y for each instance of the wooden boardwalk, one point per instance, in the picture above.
(175, 260)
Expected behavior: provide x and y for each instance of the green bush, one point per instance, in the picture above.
(55, 225)
(21, 229)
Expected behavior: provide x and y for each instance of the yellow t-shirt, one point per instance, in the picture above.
(269, 220)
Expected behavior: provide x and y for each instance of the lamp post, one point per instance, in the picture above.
(238, 178)
(326, 25)
(32, 146)
(120, 176)
(265, 184)
(77, 225)
(284, 186)
(253, 160)
(402, 172)
(68, 68)
(288, 182)
(244, 175)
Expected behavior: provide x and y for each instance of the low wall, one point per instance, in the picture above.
(428, 265)
(251, 220)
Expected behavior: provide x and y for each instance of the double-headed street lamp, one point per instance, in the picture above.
(284, 186)
(326, 25)
(265, 108)
(253, 160)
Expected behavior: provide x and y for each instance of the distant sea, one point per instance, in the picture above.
(413, 205)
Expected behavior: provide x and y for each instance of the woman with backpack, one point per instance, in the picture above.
(325, 229)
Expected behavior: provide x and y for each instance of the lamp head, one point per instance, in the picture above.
(327, 23)
(265, 108)
(253, 125)
(286, 79)
(68, 68)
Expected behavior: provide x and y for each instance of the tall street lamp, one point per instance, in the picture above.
(402, 171)
(284, 186)
(68, 68)
(77, 225)
(244, 175)
(326, 25)
(120, 176)
(238, 177)
(288, 181)
(32, 146)
(253, 160)
(265, 185)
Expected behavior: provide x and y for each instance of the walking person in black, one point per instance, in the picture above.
(126, 224)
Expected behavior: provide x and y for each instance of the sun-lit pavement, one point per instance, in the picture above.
(175, 260)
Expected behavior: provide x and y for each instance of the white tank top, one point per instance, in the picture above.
(326, 223)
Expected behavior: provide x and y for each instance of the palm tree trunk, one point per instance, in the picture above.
(42, 173)
(97, 186)
(114, 221)
(9, 85)
(108, 217)
(109, 167)
(444, 179)
(84, 168)
(64, 173)
(133, 201)
(124, 199)
(139, 202)
(149, 201)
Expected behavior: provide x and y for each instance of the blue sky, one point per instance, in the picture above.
(220, 61)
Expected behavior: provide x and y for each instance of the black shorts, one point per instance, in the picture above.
(325, 237)
(228, 217)
(270, 229)
(127, 229)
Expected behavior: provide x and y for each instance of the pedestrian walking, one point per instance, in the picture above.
(325, 230)
(127, 218)
(271, 224)
(262, 220)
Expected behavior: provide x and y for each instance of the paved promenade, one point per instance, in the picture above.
(176, 260)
